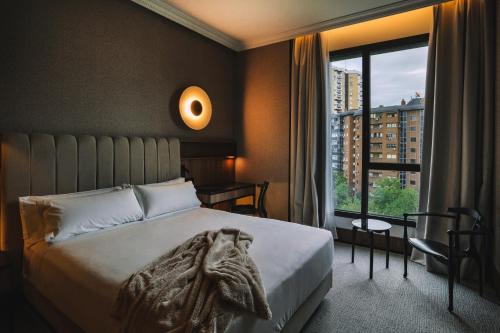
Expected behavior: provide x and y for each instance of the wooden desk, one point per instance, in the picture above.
(213, 194)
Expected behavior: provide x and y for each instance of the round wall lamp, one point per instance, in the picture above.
(195, 108)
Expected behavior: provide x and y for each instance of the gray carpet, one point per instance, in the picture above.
(389, 303)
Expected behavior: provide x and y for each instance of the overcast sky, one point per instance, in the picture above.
(394, 75)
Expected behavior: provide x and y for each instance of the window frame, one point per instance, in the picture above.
(365, 51)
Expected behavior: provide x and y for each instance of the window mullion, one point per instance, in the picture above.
(365, 135)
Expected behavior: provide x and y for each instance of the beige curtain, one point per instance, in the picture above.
(459, 129)
(310, 173)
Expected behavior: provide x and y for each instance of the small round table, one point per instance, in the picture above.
(373, 226)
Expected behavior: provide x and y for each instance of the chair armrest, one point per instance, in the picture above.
(430, 214)
(467, 232)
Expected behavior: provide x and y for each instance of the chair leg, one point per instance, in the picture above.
(451, 279)
(387, 246)
(459, 263)
(481, 275)
(371, 254)
(405, 250)
(354, 232)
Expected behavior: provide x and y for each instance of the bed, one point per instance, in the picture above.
(73, 283)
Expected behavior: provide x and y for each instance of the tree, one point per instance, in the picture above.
(386, 198)
(344, 199)
(389, 198)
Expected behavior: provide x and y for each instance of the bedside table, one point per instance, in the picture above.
(213, 194)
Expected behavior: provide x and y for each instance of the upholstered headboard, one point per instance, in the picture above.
(40, 164)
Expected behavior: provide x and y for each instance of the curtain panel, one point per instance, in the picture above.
(310, 171)
(458, 159)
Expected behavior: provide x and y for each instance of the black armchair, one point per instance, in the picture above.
(260, 209)
(450, 254)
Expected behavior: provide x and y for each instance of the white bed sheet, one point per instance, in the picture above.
(81, 276)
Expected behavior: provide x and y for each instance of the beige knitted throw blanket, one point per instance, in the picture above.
(197, 287)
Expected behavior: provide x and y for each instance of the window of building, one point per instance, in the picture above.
(375, 182)
(391, 136)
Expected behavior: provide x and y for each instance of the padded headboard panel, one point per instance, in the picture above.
(40, 164)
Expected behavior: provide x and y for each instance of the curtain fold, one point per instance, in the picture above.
(459, 123)
(311, 186)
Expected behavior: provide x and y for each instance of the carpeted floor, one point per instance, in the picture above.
(389, 303)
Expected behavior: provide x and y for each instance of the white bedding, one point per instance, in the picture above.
(81, 276)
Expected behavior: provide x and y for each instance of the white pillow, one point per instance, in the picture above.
(68, 217)
(158, 200)
(32, 207)
(175, 181)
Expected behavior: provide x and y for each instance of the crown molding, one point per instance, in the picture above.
(170, 12)
(370, 14)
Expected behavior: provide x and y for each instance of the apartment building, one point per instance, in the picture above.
(346, 90)
(395, 137)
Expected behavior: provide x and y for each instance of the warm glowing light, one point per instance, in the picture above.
(195, 108)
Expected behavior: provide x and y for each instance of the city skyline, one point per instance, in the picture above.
(394, 75)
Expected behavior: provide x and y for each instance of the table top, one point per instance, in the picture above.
(215, 189)
(374, 225)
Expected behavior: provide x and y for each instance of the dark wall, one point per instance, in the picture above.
(264, 101)
(106, 67)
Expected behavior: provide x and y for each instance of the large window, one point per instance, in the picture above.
(376, 168)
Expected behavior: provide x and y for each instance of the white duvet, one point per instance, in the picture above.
(81, 276)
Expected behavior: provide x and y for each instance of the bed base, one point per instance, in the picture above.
(60, 323)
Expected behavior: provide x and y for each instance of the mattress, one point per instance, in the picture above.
(81, 276)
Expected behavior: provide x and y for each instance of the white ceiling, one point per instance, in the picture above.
(244, 24)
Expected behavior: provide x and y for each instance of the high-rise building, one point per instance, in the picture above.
(346, 90)
(353, 90)
(337, 79)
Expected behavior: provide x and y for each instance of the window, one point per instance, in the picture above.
(378, 175)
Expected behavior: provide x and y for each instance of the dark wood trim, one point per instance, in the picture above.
(208, 149)
(394, 166)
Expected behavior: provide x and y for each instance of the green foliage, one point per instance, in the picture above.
(386, 197)
(345, 199)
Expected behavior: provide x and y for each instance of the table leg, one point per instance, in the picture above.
(387, 246)
(371, 254)
(354, 232)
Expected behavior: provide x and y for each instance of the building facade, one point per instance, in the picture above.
(395, 137)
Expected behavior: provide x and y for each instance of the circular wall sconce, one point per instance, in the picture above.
(195, 108)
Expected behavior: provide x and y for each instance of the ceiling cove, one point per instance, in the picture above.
(227, 30)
